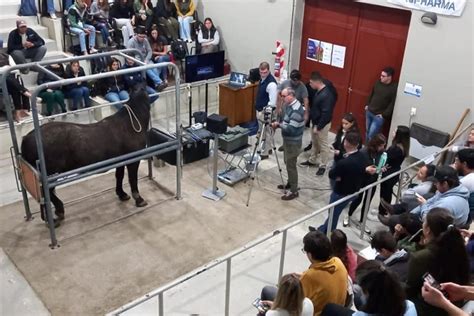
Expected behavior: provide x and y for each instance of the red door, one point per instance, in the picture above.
(374, 38)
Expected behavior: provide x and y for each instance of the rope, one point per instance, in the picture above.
(132, 116)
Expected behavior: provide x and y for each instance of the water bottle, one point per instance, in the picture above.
(382, 162)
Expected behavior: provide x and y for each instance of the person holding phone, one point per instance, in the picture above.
(455, 292)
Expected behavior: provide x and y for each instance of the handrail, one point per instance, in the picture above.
(227, 258)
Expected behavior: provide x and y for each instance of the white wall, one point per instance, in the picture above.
(440, 57)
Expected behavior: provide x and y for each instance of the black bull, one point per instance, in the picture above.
(68, 146)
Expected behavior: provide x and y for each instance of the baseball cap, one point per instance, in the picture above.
(20, 23)
(444, 173)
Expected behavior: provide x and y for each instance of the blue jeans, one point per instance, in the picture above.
(77, 94)
(164, 70)
(185, 27)
(150, 90)
(154, 75)
(82, 36)
(337, 211)
(50, 6)
(104, 31)
(373, 125)
(113, 97)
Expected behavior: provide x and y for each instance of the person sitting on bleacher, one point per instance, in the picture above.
(136, 78)
(77, 91)
(24, 43)
(115, 85)
(160, 48)
(52, 96)
(208, 37)
(100, 19)
(80, 28)
(122, 13)
(185, 10)
(165, 15)
(143, 10)
(140, 42)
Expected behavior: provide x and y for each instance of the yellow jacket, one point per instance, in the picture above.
(190, 12)
(325, 282)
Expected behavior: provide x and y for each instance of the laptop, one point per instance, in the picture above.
(237, 80)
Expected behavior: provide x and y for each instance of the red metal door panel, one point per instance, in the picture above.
(334, 22)
(381, 40)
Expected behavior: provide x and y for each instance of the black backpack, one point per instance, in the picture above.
(179, 49)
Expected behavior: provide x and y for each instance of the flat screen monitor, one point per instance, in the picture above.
(237, 79)
(204, 66)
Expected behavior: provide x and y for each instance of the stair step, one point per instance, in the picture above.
(10, 7)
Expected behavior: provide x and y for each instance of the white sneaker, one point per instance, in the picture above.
(345, 221)
(373, 215)
(52, 15)
(92, 50)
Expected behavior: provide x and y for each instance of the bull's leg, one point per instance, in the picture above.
(119, 174)
(58, 204)
(133, 179)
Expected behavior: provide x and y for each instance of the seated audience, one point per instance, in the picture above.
(444, 257)
(165, 16)
(100, 20)
(140, 42)
(23, 43)
(52, 96)
(143, 10)
(160, 48)
(464, 164)
(77, 91)
(289, 299)
(454, 291)
(115, 85)
(136, 78)
(392, 258)
(123, 17)
(343, 251)
(408, 232)
(185, 10)
(382, 294)
(79, 27)
(409, 198)
(208, 37)
(372, 153)
(326, 279)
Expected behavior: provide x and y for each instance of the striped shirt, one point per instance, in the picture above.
(292, 126)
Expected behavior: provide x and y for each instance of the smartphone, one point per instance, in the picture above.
(418, 196)
(427, 277)
(262, 308)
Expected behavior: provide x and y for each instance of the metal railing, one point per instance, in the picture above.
(283, 231)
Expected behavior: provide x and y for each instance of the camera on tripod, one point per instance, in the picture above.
(268, 114)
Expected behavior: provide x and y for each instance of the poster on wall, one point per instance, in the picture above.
(325, 52)
(413, 89)
(445, 7)
(312, 49)
(338, 55)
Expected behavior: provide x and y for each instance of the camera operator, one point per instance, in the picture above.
(266, 96)
(292, 127)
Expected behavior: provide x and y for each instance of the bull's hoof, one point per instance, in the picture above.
(140, 202)
(60, 217)
(123, 197)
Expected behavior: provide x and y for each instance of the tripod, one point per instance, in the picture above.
(259, 146)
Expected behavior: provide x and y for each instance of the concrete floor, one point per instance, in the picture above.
(111, 252)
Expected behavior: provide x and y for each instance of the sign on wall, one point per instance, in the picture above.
(325, 53)
(445, 7)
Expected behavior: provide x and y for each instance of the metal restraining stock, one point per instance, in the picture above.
(283, 231)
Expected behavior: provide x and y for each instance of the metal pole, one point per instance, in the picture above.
(282, 254)
(161, 307)
(368, 196)
(179, 128)
(227, 286)
(399, 189)
(330, 220)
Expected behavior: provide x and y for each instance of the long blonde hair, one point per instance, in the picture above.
(290, 295)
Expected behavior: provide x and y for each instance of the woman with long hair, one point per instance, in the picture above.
(143, 13)
(185, 10)
(159, 51)
(115, 85)
(396, 154)
(100, 20)
(348, 124)
(382, 294)
(343, 251)
(373, 151)
(208, 37)
(444, 257)
(165, 15)
(290, 299)
(123, 19)
(77, 91)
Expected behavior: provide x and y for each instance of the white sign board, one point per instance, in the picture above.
(338, 55)
(444, 7)
(413, 89)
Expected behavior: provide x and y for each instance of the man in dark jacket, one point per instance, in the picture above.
(24, 43)
(347, 174)
(136, 78)
(394, 259)
(321, 116)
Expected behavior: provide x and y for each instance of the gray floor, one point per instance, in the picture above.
(111, 254)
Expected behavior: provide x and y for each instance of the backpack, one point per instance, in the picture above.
(179, 49)
(28, 8)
